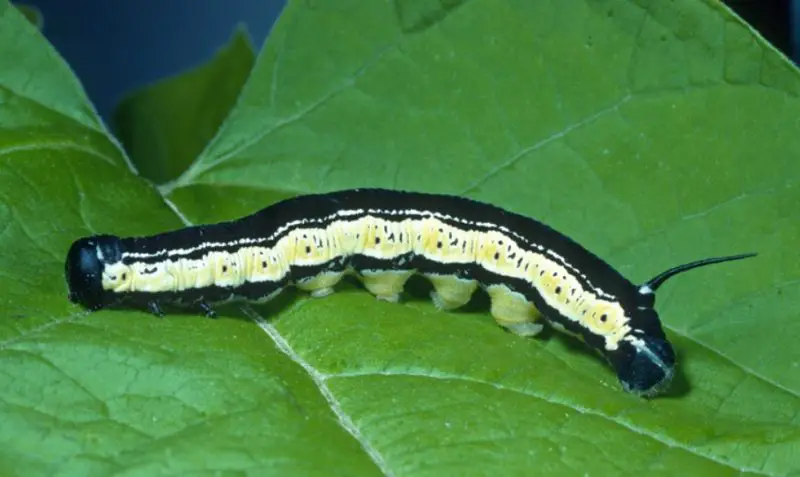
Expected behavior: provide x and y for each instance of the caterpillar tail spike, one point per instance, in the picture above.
(650, 286)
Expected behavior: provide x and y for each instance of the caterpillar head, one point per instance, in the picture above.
(644, 360)
(86, 260)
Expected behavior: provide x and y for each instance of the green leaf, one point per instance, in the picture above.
(164, 126)
(654, 133)
(32, 14)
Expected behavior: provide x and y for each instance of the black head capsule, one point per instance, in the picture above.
(645, 361)
(86, 259)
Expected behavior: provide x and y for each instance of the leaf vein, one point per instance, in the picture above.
(319, 380)
(541, 143)
(68, 319)
(198, 167)
(56, 145)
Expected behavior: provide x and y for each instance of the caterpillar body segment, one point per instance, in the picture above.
(532, 273)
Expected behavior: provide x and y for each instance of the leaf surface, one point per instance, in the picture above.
(653, 133)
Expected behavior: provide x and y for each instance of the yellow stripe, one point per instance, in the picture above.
(498, 252)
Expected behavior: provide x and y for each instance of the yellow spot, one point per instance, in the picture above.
(385, 239)
(603, 319)
(117, 277)
(227, 269)
(487, 251)
(308, 247)
(151, 278)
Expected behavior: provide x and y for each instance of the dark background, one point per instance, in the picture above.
(116, 45)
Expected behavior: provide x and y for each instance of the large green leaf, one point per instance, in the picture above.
(164, 126)
(653, 132)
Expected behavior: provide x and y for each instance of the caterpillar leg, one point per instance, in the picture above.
(155, 309)
(513, 311)
(207, 310)
(451, 292)
(320, 285)
(385, 284)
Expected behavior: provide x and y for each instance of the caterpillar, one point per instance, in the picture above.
(531, 273)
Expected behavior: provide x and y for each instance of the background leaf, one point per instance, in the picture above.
(31, 13)
(654, 133)
(165, 126)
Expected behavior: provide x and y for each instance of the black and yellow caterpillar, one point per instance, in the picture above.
(384, 237)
